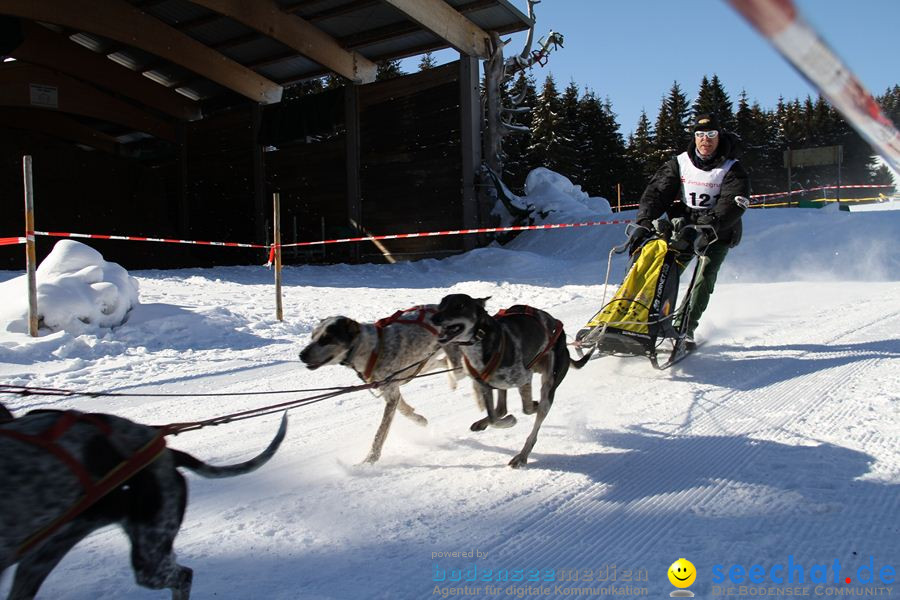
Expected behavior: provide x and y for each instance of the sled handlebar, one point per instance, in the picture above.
(704, 235)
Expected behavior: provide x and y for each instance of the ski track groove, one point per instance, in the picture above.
(584, 507)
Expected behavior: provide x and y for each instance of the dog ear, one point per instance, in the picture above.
(482, 301)
(352, 328)
(344, 328)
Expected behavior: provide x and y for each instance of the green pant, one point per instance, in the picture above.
(705, 284)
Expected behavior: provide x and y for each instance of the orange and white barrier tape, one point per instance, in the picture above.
(7, 241)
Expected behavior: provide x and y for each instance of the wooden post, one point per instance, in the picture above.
(619, 197)
(276, 199)
(30, 257)
(470, 141)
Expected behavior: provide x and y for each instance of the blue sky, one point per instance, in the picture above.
(632, 50)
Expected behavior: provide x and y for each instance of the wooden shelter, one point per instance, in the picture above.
(177, 118)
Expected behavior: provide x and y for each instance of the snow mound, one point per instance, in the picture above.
(77, 292)
(553, 198)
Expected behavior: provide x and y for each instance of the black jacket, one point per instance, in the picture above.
(665, 187)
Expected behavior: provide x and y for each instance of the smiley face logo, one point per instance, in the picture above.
(682, 573)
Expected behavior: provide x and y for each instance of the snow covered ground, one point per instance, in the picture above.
(776, 444)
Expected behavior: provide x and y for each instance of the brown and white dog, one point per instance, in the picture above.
(396, 348)
(503, 352)
(46, 470)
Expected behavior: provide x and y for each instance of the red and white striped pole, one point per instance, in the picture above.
(780, 22)
(30, 255)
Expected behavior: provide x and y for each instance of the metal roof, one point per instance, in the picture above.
(169, 46)
(373, 28)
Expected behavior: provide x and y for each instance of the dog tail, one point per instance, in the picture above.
(183, 459)
(583, 360)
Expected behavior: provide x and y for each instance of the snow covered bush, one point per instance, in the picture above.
(77, 291)
(553, 198)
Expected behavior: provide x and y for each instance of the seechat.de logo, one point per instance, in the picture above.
(682, 574)
(792, 572)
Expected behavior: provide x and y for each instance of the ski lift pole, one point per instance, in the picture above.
(30, 255)
(276, 241)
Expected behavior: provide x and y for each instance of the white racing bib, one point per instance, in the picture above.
(700, 190)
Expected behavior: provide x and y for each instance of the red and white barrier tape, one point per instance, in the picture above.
(780, 22)
(396, 236)
(399, 236)
(822, 187)
(134, 238)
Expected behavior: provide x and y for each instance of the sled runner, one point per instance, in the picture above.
(643, 315)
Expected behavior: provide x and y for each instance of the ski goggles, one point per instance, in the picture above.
(710, 135)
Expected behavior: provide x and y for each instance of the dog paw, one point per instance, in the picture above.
(530, 409)
(418, 420)
(505, 422)
(518, 461)
(479, 425)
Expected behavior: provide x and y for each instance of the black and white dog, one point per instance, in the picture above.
(45, 477)
(395, 349)
(503, 352)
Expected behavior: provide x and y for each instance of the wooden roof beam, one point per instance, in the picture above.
(448, 24)
(122, 22)
(267, 17)
(55, 51)
(17, 88)
(59, 126)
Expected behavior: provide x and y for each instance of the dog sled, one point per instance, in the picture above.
(643, 318)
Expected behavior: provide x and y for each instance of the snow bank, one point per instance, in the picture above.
(553, 198)
(77, 292)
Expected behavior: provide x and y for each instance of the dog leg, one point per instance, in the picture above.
(453, 359)
(36, 565)
(501, 419)
(409, 412)
(391, 399)
(154, 562)
(522, 457)
(528, 405)
(500, 412)
(495, 418)
(548, 390)
(152, 537)
(479, 397)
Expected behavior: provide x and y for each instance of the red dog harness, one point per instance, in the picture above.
(411, 316)
(494, 362)
(93, 492)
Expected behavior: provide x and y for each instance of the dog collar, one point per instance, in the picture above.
(373, 359)
(476, 337)
(492, 364)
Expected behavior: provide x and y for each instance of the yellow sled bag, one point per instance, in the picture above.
(641, 311)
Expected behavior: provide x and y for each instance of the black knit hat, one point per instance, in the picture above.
(706, 122)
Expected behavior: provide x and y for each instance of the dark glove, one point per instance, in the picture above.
(707, 219)
(704, 237)
(639, 234)
(701, 243)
